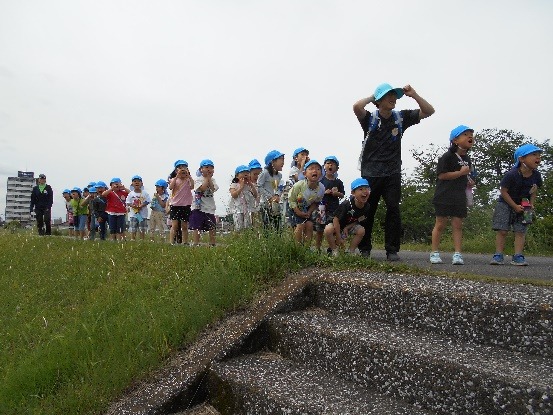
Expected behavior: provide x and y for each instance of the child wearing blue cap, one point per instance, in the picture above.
(255, 171)
(518, 191)
(334, 191)
(450, 196)
(304, 200)
(349, 219)
(180, 202)
(202, 217)
(242, 201)
(270, 190)
(299, 158)
(80, 211)
(116, 207)
(69, 212)
(137, 201)
(99, 204)
(158, 204)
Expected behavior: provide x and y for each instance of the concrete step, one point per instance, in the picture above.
(429, 370)
(514, 317)
(265, 383)
(203, 409)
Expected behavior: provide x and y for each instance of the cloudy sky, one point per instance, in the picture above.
(90, 90)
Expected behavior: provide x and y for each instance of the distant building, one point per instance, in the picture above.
(18, 197)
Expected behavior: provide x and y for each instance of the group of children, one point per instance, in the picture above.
(312, 199)
(453, 195)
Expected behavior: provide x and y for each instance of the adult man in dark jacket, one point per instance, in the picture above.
(42, 199)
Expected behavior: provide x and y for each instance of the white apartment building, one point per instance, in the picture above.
(18, 197)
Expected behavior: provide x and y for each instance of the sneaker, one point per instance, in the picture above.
(365, 254)
(457, 259)
(497, 259)
(335, 253)
(392, 257)
(518, 259)
(435, 258)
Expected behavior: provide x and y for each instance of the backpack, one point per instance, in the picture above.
(374, 124)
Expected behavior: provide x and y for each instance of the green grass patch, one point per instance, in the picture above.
(81, 320)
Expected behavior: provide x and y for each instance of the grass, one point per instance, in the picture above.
(82, 320)
(79, 320)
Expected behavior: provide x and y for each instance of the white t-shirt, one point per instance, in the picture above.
(207, 201)
(245, 202)
(132, 198)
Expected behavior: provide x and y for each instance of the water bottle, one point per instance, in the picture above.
(322, 213)
(198, 198)
(527, 214)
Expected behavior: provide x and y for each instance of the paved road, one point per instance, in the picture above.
(539, 268)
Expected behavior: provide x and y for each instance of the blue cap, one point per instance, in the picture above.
(272, 155)
(310, 162)
(136, 177)
(76, 189)
(92, 189)
(457, 131)
(66, 191)
(101, 184)
(161, 183)
(241, 169)
(206, 162)
(115, 180)
(180, 163)
(91, 184)
(383, 89)
(332, 158)
(299, 150)
(359, 183)
(524, 150)
(254, 164)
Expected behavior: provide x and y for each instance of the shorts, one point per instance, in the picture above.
(80, 222)
(180, 213)
(451, 211)
(296, 220)
(506, 219)
(351, 231)
(201, 221)
(135, 225)
(320, 227)
(116, 224)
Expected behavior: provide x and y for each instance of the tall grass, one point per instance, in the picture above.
(81, 320)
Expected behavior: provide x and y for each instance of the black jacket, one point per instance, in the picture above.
(42, 200)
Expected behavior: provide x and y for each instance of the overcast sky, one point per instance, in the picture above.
(97, 89)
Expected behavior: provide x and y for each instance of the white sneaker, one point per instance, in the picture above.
(435, 258)
(457, 259)
(335, 253)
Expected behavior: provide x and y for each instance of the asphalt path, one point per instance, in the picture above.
(539, 267)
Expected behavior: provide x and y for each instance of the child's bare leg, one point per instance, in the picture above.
(196, 236)
(519, 242)
(212, 236)
(439, 226)
(308, 232)
(174, 225)
(457, 233)
(359, 233)
(298, 233)
(319, 239)
(330, 237)
(184, 230)
(500, 241)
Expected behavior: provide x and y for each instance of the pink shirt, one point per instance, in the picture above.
(183, 197)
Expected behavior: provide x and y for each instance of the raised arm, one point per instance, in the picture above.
(359, 107)
(426, 110)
